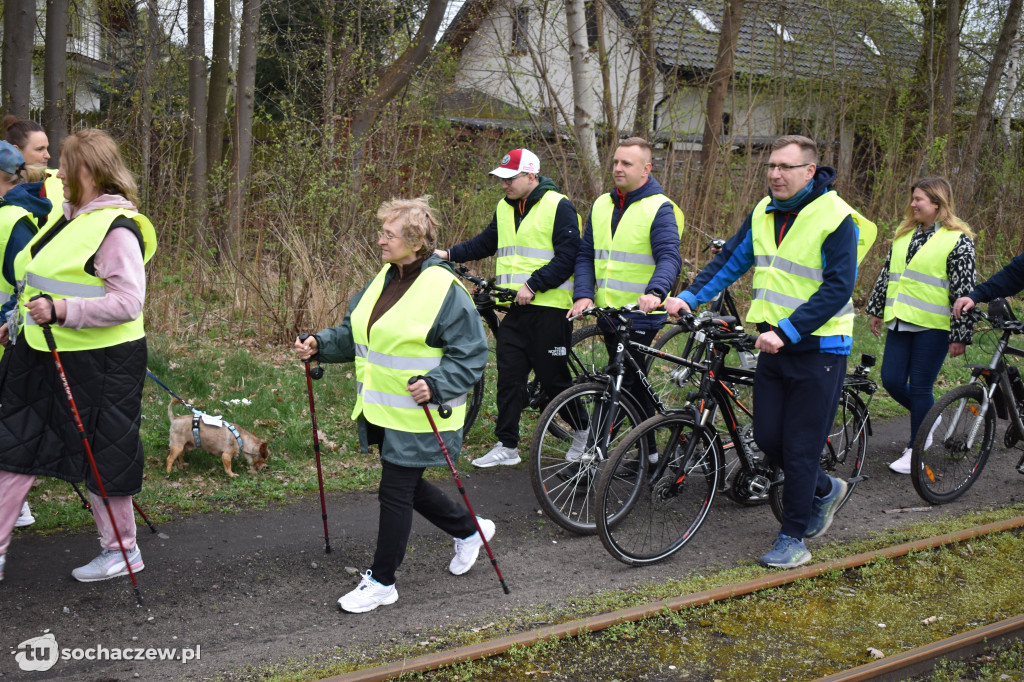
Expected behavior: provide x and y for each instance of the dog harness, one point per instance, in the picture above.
(197, 419)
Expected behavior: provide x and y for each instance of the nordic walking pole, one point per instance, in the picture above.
(87, 506)
(445, 412)
(316, 373)
(52, 345)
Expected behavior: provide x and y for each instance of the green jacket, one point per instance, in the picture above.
(459, 331)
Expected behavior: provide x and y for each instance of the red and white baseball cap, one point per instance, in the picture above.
(517, 161)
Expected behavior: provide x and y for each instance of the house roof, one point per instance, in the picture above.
(797, 38)
(801, 38)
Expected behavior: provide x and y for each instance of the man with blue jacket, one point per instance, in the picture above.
(630, 253)
(802, 241)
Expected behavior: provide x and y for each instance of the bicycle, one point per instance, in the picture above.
(564, 486)
(847, 443)
(585, 353)
(956, 437)
(647, 510)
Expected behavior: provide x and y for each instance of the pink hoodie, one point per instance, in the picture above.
(119, 264)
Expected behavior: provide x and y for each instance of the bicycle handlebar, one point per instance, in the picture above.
(484, 285)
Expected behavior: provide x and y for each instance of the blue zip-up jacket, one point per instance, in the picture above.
(27, 196)
(664, 246)
(1006, 282)
(565, 239)
(839, 264)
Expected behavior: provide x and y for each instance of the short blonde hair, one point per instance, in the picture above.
(96, 152)
(33, 173)
(418, 221)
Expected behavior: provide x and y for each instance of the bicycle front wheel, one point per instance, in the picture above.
(564, 477)
(844, 451)
(589, 355)
(648, 510)
(952, 445)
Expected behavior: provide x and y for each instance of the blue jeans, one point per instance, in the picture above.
(910, 365)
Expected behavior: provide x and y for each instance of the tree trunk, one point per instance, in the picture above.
(584, 94)
(154, 39)
(1012, 83)
(611, 119)
(950, 70)
(648, 72)
(54, 85)
(220, 73)
(245, 103)
(16, 70)
(394, 78)
(983, 118)
(718, 89)
(196, 52)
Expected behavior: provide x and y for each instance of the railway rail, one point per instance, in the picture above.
(898, 666)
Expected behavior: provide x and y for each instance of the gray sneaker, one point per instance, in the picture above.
(109, 564)
(498, 455)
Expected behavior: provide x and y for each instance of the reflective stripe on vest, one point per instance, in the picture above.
(58, 269)
(521, 252)
(787, 275)
(918, 291)
(624, 262)
(9, 217)
(396, 350)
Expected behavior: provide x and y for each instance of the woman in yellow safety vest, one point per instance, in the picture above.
(930, 264)
(413, 319)
(31, 140)
(85, 277)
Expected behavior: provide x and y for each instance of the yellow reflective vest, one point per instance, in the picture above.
(787, 275)
(624, 262)
(54, 187)
(396, 350)
(58, 267)
(9, 217)
(918, 291)
(522, 251)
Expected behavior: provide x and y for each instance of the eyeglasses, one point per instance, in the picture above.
(508, 181)
(783, 167)
(381, 234)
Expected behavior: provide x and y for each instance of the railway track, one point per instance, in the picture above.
(899, 666)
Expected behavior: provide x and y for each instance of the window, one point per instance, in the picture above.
(871, 44)
(520, 26)
(781, 31)
(704, 20)
(591, 9)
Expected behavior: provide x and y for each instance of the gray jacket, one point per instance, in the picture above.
(460, 333)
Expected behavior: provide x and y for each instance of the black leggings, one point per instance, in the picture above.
(402, 491)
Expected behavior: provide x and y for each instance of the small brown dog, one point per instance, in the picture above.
(215, 440)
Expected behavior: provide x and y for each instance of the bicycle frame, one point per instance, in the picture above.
(998, 392)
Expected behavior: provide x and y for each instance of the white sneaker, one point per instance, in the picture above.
(931, 433)
(109, 564)
(26, 518)
(499, 454)
(579, 445)
(467, 550)
(3, 560)
(368, 595)
(653, 457)
(902, 465)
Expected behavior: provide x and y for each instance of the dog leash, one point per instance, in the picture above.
(197, 415)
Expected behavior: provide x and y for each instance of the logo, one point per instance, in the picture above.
(505, 160)
(37, 654)
(557, 352)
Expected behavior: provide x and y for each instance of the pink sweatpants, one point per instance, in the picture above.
(14, 488)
